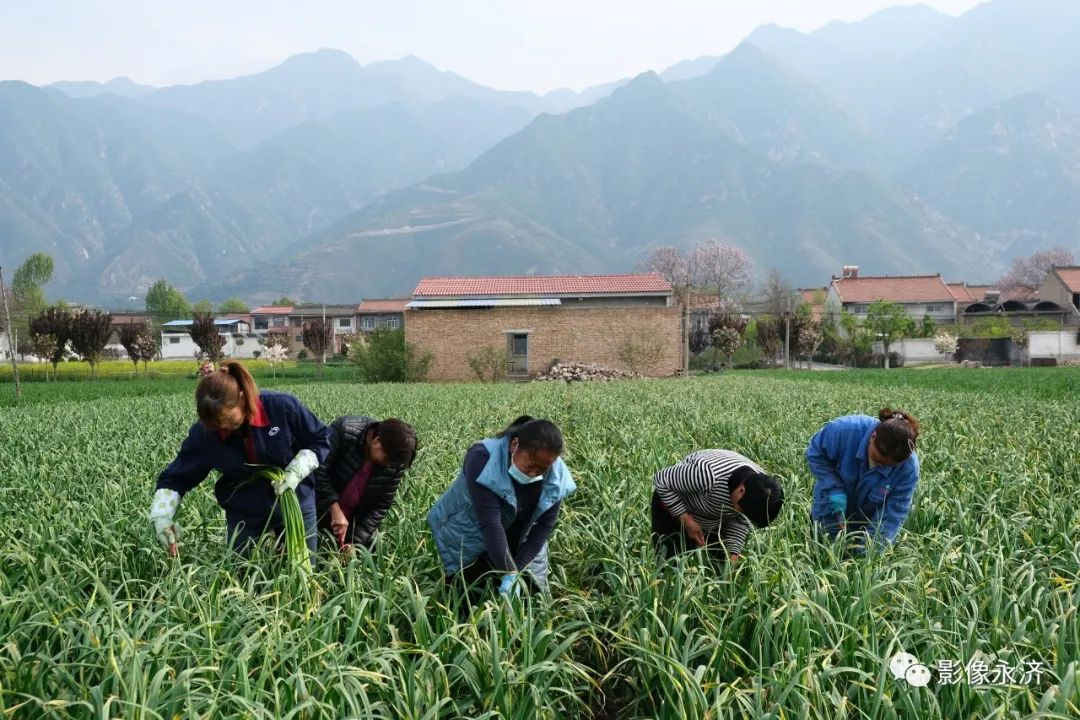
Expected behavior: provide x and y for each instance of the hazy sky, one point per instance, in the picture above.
(508, 44)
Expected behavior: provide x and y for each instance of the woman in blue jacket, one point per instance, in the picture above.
(495, 519)
(865, 472)
(238, 425)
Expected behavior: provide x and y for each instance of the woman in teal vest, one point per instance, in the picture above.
(494, 521)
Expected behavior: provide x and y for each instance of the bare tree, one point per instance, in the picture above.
(90, 332)
(1026, 274)
(678, 269)
(778, 294)
(725, 269)
(770, 336)
(44, 346)
(317, 335)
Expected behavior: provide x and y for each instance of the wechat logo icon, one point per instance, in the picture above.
(905, 666)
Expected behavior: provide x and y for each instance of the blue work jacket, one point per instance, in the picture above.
(881, 496)
(280, 429)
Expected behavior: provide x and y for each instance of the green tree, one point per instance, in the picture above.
(165, 303)
(204, 307)
(928, 328)
(888, 322)
(234, 306)
(386, 357)
(26, 285)
(284, 300)
(27, 297)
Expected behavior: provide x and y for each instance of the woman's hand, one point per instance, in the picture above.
(692, 529)
(339, 524)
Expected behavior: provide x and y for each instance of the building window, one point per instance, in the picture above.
(935, 308)
(1076, 300)
(278, 322)
(299, 338)
(344, 322)
(262, 323)
(174, 341)
(368, 323)
(394, 322)
(857, 309)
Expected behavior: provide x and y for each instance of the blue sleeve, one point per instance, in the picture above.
(308, 431)
(823, 455)
(190, 467)
(897, 506)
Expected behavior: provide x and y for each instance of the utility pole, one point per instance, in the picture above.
(10, 331)
(787, 332)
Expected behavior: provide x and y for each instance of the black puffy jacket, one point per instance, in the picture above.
(348, 452)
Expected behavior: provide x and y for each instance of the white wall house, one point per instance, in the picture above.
(240, 341)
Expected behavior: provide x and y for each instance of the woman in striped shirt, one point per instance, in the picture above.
(711, 499)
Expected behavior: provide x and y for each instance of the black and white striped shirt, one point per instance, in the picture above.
(699, 485)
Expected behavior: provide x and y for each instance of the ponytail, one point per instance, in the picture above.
(897, 434)
(512, 428)
(222, 389)
(534, 434)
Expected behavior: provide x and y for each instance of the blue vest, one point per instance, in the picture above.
(453, 519)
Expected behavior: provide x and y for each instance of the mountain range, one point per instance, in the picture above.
(909, 142)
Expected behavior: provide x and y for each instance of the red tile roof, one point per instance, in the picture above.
(961, 292)
(542, 285)
(1070, 276)
(901, 289)
(386, 305)
(272, 310)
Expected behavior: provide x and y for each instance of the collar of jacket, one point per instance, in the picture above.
(259, 421)
(557, 482)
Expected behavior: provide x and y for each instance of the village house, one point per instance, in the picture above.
(921, 295)
(341, 317)
(372, 315)
(611, 320)
(1062, 289)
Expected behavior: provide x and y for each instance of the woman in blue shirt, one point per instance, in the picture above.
(865, 472)
(494, 521)
(238, 426)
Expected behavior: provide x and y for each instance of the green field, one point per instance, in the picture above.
(95, 620)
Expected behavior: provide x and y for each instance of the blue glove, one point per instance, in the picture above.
(509, 587)
(838, 501)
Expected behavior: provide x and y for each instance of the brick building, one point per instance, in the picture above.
(603, 319)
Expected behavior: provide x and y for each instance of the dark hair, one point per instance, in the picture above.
(533, 434)
(764, 496)
(221, 389)
(896, 434)
(398, 440)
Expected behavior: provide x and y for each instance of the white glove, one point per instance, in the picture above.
(162, 510)
(301, 466)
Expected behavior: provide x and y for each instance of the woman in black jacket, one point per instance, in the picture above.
(356, 485)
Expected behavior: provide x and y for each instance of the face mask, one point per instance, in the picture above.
(519, 475)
